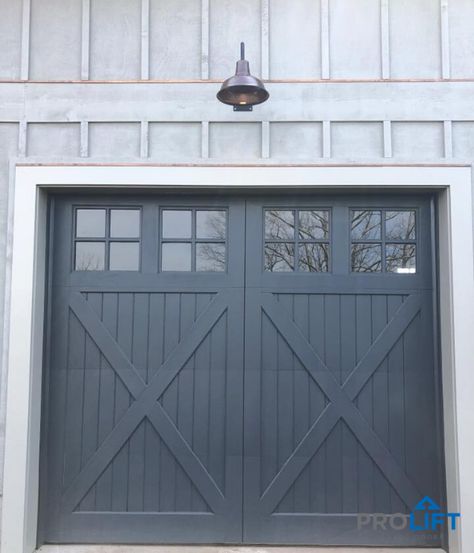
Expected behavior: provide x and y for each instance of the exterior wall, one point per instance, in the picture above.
(300, 42)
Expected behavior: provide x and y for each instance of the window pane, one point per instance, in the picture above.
(279, 257)
(210, 257)
(366, 258)
(125, 223)
(90, 256)
(400, 225)
(279, 225)
(124, 256)
(401, 258)
(90, 223)
(313, 224)
(313, 257)
(366, 225)
(176, 223)
(211, 224)
(175, 256)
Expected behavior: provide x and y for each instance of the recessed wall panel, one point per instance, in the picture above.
(418, 140)
(461, 36)
(298, 140)
(115, 41)
(53, 139)
(55, 47)
(235, 140)
(175, 39)
(174, 141)
(356, 139)
(463, 139)
(415, 39)
(10, 39)
(114, 140)
(354, 34)
(231, 23)
(295, 39)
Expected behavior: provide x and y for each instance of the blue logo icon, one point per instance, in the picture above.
(427, 515)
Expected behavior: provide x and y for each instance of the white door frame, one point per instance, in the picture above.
(26, 307)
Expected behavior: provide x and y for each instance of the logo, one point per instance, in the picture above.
(425, 517)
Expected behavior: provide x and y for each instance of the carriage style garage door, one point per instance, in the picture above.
(239, 369)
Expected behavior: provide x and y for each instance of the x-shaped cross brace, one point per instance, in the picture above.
(145, 402)
(341, 402)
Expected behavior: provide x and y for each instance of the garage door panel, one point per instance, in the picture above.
(355, 336)
(144, 380)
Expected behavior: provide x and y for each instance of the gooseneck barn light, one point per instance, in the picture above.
(243, 91)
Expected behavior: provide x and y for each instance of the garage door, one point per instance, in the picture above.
(239, 369)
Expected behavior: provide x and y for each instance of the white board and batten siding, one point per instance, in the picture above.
(326, 58)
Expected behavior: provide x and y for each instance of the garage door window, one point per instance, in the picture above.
(107, 239)
(383, 240)
(297, 240)
(193, 240)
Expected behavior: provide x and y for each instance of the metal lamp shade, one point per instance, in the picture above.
(242, 90)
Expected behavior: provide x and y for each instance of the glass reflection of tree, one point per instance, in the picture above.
(313, 257)
(279, 256)
(400, 256)
(365, 224)
(313, 224)
(213, 255)
(88, 261)
(303, 232)
(366, 258)
(400, 225)
(215, 224)
(279, 224)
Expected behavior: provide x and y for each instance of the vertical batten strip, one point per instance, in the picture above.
(265, 139)
(445, 53)
(326, 139)
(325, 62)
(265, 34)
(204, 39)
(85, 39)
(145, 41)
(385, 38)
(84, 147)
(205, 139)
(387, 139)
(22, 137)
(144, 139)
(25, 40)
(448, 139)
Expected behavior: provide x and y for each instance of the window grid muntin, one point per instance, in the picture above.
(107, 239)
(383, 242)
(193, 240)
(296, 241)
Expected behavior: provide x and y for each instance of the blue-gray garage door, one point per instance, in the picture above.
(229, 369)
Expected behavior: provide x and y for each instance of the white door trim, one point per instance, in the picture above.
(26, 313)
